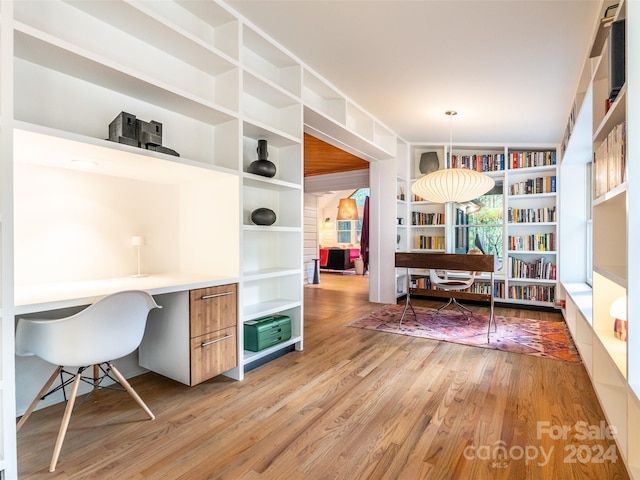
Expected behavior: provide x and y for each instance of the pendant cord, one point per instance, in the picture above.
(451, 113)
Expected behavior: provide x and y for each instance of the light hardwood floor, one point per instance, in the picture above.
(355, 404)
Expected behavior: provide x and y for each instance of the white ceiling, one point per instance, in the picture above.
(508, 67)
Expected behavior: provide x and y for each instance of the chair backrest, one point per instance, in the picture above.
(107, 330)
(438, 280)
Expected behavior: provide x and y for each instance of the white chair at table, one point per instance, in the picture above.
(451, 285)
(454, 284)
(109, 329)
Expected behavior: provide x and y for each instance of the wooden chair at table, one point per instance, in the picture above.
(109, 329)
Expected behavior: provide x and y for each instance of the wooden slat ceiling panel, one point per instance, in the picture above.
(321, 158)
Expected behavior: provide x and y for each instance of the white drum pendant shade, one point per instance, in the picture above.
(452, 185)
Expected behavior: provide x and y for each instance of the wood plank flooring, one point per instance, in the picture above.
(355, 404)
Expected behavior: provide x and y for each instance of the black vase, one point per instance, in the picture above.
(263, 216)
(429, 162)
(262, 166)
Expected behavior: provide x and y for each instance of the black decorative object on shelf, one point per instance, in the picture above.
(262, 166)
(127, 129)
(429, 162)
(263, 216)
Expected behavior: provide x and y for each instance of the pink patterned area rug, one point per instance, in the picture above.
(517, 335)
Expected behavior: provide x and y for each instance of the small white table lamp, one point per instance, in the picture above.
(618, 311)
(137, 241)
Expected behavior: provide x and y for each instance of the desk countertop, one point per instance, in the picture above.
(39, 298)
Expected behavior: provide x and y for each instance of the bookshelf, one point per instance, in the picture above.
(517, 221)
(603, 123)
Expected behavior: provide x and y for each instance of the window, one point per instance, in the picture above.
(589, 226)
(349, 231)
(478, 224)
(344, 228)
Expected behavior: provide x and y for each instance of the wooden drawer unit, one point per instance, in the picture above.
(212, 326)
(212, 354)
(212, 309)
(194, 336)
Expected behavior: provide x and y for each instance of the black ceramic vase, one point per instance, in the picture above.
(263, 216)
(429, 162)
(262, 166)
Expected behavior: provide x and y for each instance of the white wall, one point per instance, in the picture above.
(311, 238)
(77, 226)
(382, 232)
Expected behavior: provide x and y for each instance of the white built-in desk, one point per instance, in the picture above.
(171, 292)
(40, 298)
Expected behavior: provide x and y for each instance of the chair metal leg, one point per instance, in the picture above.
(65, 420)
(407, 303)
(130, 390)
(445, 305)
(462, 307)
(39, 397)
(492, 319)
(459, 306)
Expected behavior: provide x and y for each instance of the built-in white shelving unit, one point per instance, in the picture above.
(218, 86)
(272, 279)
(358, 132)
(610, 225)
(523, 229)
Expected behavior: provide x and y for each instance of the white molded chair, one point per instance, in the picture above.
(456, 284)
(452, 284)
(109, 329)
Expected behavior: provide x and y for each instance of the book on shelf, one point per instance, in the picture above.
(531, 215)
(609, 161)
(484, 288)
(541, 242)
(571, 121)
(488, 162)
(532, 159)
(532, 186)
(424, 242)
(427, 218)
(540, 269)
(540, 293)
(421, 282)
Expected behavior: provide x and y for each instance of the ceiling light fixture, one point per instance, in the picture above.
(452, 184)
(347, 209)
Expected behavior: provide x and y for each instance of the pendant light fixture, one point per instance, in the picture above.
(452, 184)
(347, 209)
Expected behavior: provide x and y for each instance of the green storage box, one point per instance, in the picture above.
(264, 332)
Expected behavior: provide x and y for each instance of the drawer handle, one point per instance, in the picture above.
(206, 344)
(214, 295)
